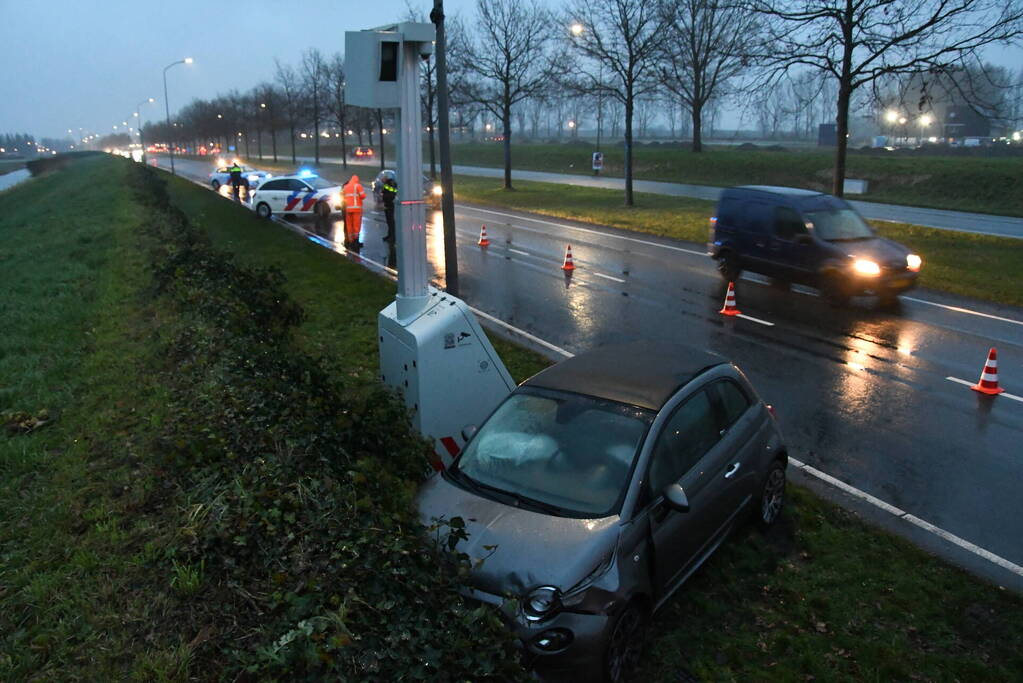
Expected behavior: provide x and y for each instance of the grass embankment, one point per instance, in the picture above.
(135, 546)
(8, 165)
(965, 181)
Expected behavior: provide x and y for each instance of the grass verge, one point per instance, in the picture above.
(110, 570)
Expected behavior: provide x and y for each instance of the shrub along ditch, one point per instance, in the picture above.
(300, 554)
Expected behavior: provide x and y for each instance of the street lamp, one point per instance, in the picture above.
(166, 102)
(576, 29)
(138, 113)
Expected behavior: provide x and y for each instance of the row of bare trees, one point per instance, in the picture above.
(622, 61)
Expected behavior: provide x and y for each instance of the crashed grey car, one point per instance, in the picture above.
(595, 490)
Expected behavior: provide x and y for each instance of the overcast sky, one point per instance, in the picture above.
(87, 63)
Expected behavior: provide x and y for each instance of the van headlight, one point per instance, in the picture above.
(541, 603)
(866, 267)
(913, 262)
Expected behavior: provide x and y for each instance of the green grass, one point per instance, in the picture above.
(821, 596)
(8, 165)
(965, 182)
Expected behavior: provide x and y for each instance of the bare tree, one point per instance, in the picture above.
(705, 45)
(509, 61)
(857, 42)
(290, 98)
(335, 101)
(314, 82)
(619, 41)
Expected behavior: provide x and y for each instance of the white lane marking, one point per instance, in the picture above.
(957, 309)
(519, 252)
(756, 320)
(609, 277)
(813, 471)
(588, 231)
(912, 519)
(523, 333)
(1004, 394)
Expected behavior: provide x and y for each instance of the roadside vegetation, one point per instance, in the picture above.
(8, 165)
(201, 479)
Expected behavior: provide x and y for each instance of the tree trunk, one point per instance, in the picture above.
(344, 146)
(273, 141)
(316, 132)
(629, 201)
(697, 112)
(506, 122)
(844, 96)
(294, 158)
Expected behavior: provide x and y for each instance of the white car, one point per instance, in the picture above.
(252, 177)
(304, 193)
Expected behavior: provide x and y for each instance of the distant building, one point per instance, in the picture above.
(962, 121)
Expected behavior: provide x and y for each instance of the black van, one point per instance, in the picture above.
(810, 238)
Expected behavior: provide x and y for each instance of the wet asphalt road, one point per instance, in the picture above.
(861, 393)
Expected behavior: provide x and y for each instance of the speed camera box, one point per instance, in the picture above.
(373, 62)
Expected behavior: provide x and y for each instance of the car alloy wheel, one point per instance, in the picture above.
(263, 210)
(625, 644)
(772, 498)
(728, 267)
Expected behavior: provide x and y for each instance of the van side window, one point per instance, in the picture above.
(787, 223)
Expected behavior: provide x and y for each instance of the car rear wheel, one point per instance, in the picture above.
(625, 646)
(322, 210)
(216, 185)
(263, 210)
(772, 496)
(728, 266)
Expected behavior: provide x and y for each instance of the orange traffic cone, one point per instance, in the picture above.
(568, 265)
(988, 383)
(730, 308)
(484, 242)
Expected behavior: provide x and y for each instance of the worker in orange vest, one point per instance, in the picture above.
(354, 194)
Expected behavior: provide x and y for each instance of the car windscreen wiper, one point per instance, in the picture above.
(501, 495)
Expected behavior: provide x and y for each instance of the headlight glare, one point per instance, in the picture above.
(913, 262)
(437, 190)
(541, 602)
(866, 267)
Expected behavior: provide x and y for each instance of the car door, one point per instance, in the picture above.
(685, 451)
(790, 248)
(273, 193)
(743, 426)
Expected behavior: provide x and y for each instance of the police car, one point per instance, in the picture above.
(251, 176)
(302, 193)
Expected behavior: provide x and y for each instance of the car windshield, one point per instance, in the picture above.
(839, 225)
(563, 453)
(319, 183)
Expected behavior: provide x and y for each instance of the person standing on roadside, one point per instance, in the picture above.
(389, 194)
(354, 194)
(236, 180)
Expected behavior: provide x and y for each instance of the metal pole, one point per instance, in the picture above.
(142, 142)
(166, 104)
(411, 215)
(447, 200)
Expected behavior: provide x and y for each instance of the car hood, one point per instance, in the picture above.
(877, 249)
(520, 549)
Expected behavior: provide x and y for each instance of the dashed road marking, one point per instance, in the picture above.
(609, 277)
(1004, 394)
(756, 320)
(959, 309)
(519, 252)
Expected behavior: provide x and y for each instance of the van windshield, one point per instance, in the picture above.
(839, 225)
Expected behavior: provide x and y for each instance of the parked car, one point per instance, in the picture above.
(363, 152)
(432, 191)
(598, 487)
(807, 237)
(302, 193)
(252, 177)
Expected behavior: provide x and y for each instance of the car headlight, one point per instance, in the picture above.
(913, 262)
(336, 199)
(866, 267)
(269, 175)
(541, 602)
(253, 178)
(437, 190)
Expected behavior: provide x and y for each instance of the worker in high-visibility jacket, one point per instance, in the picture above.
(354, 194)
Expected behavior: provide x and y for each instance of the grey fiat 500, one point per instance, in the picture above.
(598, 487)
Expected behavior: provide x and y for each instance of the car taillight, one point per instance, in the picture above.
(770, 409)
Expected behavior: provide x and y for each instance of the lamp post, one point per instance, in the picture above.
(925, 121)
(166, 102)
(138, 114)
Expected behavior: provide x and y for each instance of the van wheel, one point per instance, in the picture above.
(263, 210)
(833, 289)
(728, 266)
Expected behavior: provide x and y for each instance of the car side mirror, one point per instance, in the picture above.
(468, 431)
(676, 498)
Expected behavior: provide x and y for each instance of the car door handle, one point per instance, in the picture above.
(732, 470)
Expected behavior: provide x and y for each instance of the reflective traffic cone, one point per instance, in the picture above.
(988, 383)
(730, 308)
(484, 242)
(568, 265)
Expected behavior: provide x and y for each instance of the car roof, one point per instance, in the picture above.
(775, 189)
(644, 374)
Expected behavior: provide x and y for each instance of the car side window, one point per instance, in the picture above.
(732, 399)
(787, 223)
(686, 437)
(273, 185)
